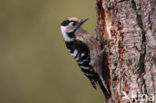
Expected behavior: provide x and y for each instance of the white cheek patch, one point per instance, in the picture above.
(65, 35)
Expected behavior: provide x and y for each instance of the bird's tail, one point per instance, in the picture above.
(104, 88)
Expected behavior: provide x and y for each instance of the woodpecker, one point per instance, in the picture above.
(85, 49)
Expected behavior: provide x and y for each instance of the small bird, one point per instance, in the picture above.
(85, 49)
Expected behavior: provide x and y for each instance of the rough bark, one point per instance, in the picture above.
(126, 30)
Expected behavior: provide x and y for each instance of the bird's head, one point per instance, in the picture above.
(70, 26)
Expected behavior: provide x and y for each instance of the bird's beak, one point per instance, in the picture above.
(82, 21)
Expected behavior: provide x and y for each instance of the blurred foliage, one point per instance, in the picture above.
(35, 66)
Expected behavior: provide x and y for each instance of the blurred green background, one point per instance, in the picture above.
(35, 66)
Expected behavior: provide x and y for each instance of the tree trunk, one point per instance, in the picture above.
(126, 30)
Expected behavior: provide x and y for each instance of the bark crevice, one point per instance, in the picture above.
(131, 43)
(141, 63)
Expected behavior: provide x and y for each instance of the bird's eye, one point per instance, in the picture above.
(74, 23)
